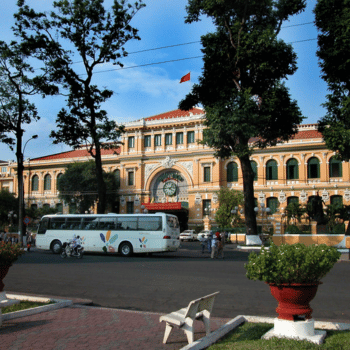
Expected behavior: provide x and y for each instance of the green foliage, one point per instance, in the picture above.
(38, 213)
(295, 263)
(228, 200)
(338, 229)
(8, 202)
(295, 210)
(24, 305)
(248, 337)
(9, 253)
(78, 185)
(332, 18)
(96, 36)
(293, 230)
(246, 104)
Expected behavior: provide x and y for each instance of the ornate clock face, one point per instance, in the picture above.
(169, 188)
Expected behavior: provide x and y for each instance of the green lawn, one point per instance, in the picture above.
(248, 335)
(23, 305)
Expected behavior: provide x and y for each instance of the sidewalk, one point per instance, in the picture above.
(87, 327)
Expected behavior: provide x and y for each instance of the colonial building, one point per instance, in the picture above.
(162, 167)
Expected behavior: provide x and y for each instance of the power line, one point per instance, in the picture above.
(182, 44)
(180, 59)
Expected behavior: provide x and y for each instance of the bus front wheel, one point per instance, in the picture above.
(125, 249)
(56, 247)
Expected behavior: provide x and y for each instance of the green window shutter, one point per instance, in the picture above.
(292, 169)
(232, 172)
(147, 141)
(190, 137)
(271, 170)
(206, 174)
(117, 177)
(168, 139)
(273, 204)
(35, 183)
(335, 168)
(179, 138)
(254, 166)
(313, 168)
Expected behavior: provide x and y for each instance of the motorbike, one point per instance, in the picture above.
(69, 251)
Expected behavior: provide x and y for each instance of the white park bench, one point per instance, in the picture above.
(199, 309)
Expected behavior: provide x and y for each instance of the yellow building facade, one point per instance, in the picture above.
(162, 167)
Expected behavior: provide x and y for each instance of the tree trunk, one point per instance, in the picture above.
(19, 157)
(248, 190)
(101, 185)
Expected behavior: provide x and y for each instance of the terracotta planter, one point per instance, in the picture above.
(294, 299)
(3, 272)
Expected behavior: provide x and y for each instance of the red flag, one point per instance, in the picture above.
(186, 77)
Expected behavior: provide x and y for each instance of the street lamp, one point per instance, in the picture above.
(12, 216)
(207, 210)
(144, 209)
(20, 169)
(264, 218)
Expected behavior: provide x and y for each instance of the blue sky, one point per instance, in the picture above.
(153, 89)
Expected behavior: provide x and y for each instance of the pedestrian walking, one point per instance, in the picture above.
(203, 242)
(214, 248)
(210, 238)
(220, 248)
(29, 241)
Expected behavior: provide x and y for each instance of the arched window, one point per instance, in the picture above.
(292, 199)
(35, 183)
(254, 166)
(292, 169)
(117, 177)
(273, 204)
(335, 168)
(271, 170)
(313, 168)
(232, 172)
(338, 200)
(47, 182)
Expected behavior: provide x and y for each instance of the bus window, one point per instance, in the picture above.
(172, 221)
(150, 223)
(90, 223)
(127, 223)
(58, 223)
(74, 223)
(43, 226)
(107, 223)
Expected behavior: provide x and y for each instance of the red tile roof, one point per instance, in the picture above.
(176, 114)
(78, 153)
(307, 134)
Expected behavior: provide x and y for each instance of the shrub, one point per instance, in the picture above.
(295, 263)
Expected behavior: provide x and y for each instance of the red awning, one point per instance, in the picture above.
(163, 206)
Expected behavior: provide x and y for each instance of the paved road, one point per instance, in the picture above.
(166, 282)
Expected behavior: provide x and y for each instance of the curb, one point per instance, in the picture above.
(213, 337)
(59, 303)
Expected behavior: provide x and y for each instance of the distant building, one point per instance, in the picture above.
(162, 166)
(6, 176)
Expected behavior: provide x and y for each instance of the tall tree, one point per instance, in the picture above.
(333, 22)
(246, 104)
(228, 200)
(85, 30)
(19, 81)
(78, 186)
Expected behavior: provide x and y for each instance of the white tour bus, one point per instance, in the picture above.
(123, 233)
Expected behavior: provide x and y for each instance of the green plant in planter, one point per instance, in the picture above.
(287, 264)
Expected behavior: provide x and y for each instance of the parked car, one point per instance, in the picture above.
(188, 235)
(204, 234)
